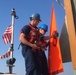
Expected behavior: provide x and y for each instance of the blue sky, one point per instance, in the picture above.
(24, 9)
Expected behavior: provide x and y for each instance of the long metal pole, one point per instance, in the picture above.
(12, 39)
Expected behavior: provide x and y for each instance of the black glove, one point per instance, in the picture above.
(56, 34)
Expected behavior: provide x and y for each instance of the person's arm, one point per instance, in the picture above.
(24, 41)
(52, 36)
(47, 37)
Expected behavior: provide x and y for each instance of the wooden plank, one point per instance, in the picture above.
(73, 3)
(71, 30)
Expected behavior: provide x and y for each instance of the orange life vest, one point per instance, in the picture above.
(33, 35)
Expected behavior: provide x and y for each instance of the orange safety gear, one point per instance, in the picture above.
(33, 35)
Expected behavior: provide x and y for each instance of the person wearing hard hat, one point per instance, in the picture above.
(43, 28)
(41, 51)
(28, 47)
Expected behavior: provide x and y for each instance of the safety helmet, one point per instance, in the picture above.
(44, 27)
(35, 16)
